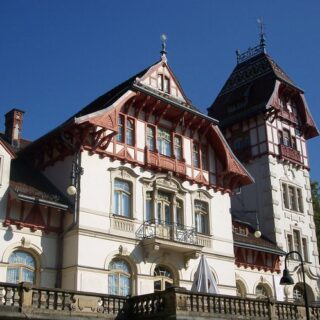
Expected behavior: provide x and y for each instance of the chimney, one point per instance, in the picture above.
(13, 126)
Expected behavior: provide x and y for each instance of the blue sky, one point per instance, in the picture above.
(57, 56)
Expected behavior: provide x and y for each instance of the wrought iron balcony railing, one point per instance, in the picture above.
(169, 231)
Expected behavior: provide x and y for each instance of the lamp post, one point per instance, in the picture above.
(287, 279)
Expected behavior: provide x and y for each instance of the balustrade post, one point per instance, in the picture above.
(26, 293)
(271, 309)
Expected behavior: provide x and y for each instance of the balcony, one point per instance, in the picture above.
(157, 235)
(156, 160)
(290, 154)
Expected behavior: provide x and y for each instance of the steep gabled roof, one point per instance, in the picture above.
(29, 184)
(248, 240)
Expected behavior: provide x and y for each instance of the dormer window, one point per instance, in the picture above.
(126, 130)
(163, 83)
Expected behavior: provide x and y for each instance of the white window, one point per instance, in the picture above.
(263, 291)
(122, 197)
(164, 208)
(292, 197)
(151, 138)
(178, 147)
(163, 278)
(164, 141)
(201, 216)
(119, 278)
(21, 267)
(298, 243)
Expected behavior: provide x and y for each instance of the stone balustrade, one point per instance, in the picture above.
(25, 301)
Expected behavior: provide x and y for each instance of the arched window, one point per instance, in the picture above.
(263, 291)
(119, 279)
(241, 290)
(163, 278)
(21, 267)
(122, 198)
(298, 293)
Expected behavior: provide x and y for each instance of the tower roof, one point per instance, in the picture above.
(250, 87)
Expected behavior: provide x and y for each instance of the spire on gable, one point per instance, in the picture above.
(164, 52)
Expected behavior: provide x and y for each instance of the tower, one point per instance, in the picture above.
(266, 120)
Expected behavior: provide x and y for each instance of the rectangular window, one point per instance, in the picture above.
(201, 217)
(300, 200)
(130, 132)
(149, 206)
(164, 142)
(126, 130)
(120, 135)
(166, 85)
(122, 198)
(285, 195)
(151, 138)
(195, 155)
(290, 242)
(164, 208)
(286, 138)
(163, 83)
(292, 197)
(305, 249)
(179, 213)
(297, 242)
(178, 147)
(204, 157)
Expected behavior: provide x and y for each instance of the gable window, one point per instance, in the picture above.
(122, 198)
(164, 142)
(204, 157)
(286, 139)
(292, 197)
(163, 83)
(130, 132)
(126, 131)
(151, 138)
(201, 216)
(21, 267)
(178, 147)
(119, 278)
(120, 135)
(196, 155)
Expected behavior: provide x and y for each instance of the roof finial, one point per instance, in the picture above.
(163, 51)
(262, 34)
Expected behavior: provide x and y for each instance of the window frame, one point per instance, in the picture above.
(178, 148)
(292, 197)
(125, 132)
(116, 190)
(203, 215)
(21, 266)
(162, 148)
(120, 274)
(163, 83)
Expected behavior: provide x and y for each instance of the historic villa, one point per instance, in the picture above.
(126, 195)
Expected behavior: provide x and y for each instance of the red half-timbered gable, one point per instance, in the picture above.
(147, 121)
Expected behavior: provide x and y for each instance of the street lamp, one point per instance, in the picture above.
(287, 279)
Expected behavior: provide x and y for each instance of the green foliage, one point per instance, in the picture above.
(315, 192)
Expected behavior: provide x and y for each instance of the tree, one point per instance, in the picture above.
(315, 193)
